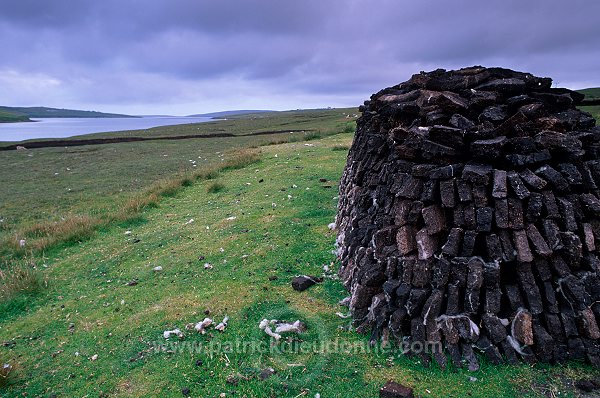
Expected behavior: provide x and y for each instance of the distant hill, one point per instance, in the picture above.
(229, 113)
(591, 93)
(592, 96)
(8, 117)
(20, 114)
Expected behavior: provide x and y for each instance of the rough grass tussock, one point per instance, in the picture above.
(215, 187)
(241, 159)
(40, 236)
(5, 372)
(340, 148)
(19, 279)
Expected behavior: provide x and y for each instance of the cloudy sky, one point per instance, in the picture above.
(194, 56)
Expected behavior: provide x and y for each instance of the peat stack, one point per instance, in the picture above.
(469, 215)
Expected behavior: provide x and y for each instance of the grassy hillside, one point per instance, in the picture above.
(43, 112)
(10, 117)
(591, 93)
(97, 330)
(96, 180)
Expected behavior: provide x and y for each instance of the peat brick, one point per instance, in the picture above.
(447, 193)
(452, 245)
(554, 177)
(535, 206)
(499, 188)
(517, 185)
(426, 244)
(435, 220)
(550, 205)
(468, 246)
(479, 193)
(539, 244)
(484, 219)
(502, 216)
(515, 214)
(464, 191)
(531, 179)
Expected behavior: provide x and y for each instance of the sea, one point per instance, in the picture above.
(70, 127)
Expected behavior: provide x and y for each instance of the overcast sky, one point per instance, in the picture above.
(194, 56)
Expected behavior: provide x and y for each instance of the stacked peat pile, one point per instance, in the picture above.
(470, 215)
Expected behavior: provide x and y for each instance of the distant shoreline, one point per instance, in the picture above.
(14, 114)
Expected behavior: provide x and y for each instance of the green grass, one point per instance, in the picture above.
(268, 225)
(593, 110)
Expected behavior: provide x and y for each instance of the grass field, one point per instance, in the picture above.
(592, 93)
(594, 110)
(97, 328)
(52, 184)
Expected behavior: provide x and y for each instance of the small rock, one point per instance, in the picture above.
(301, 283)
(185, 391)
(392, 389)
(273, 278)
(94, 357)
(132, 283)
(585, 385)
(128, 232)
(157, 269)
(233, 380)
(199, 362)
(266, 373)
